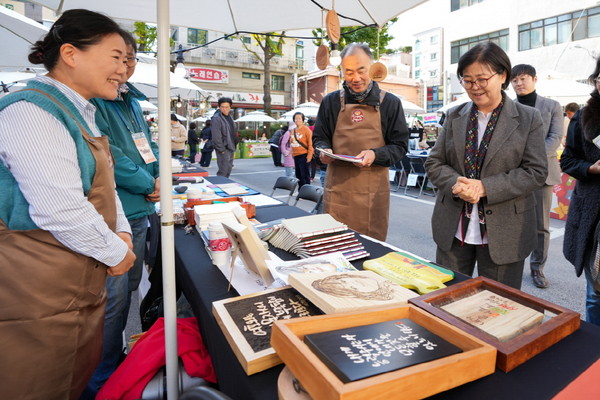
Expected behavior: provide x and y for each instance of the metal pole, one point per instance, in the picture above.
(166, 203)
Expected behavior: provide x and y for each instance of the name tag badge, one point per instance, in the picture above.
(143, 147)
(596, 141)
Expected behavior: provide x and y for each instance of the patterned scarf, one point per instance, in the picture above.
(474, 157)
(358, 97)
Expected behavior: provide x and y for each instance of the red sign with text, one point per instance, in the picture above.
(209, 75)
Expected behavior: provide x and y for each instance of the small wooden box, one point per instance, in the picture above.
(516, 351)
(417, 381)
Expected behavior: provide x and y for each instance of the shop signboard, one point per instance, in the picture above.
(210, 75)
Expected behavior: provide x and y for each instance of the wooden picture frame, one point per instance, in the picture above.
(418, 381)
(251, 251)
(558, 323)
(244, 322)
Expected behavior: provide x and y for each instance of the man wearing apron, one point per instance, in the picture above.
(363, 121)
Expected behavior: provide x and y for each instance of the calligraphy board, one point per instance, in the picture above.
(246, 322)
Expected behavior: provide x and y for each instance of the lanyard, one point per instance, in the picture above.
(131, 120)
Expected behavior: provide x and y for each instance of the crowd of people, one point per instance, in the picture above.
(73, 229)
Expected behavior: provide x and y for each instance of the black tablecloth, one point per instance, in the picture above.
(202, 283)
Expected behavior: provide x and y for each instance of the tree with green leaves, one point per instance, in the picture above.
(271, 46)
(145, 36)
(357, 34)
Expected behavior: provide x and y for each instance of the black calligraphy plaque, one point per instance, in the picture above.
(254, 315)
(363, 351)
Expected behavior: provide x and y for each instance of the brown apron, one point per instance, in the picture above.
(358, 197)
(52, 302)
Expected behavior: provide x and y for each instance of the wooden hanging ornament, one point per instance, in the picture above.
(333, 26)
(378, 72)
(322, 57)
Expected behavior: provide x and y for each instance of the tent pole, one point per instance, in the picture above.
(166, 204)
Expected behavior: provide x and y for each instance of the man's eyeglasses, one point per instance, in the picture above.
(481, 82)
(131, 61)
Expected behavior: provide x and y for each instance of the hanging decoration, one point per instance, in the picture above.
(378, 70)
(322, 52)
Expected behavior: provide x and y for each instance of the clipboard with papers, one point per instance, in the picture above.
(341, 157)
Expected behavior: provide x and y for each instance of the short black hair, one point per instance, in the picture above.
(192, 125)
(572, 107)
(225, 100)
(174, 117)
(490, 54)
(523, 69)
(297, 113)
(594, 75)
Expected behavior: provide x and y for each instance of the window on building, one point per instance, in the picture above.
(433, 57)
(250, 75)
(277, 82)
(300, 49)
(563, 28)
(197, 36)
(175, 34)
(418, 45)
(246, 39)
(460, 47)
(433, 39)
(417, 74)
(417, 61)
(458, 4)
(433, 73)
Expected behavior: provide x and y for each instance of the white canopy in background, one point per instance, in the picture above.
(256, 116)
(409, 107)
(223, 16)
(562, 90)
(462, 99)
(309, 112)
(246, 15)
(147, 106)
(145, 78)
(17, 34)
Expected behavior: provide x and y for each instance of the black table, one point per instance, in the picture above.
(202, 283)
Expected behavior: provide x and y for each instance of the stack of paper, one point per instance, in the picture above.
(315, 235)
(218, 212)
(176, 166)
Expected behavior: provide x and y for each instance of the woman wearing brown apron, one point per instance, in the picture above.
(360, 120)
(61, 223)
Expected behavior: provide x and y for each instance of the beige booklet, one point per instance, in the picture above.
(349, 291)
(494, 314)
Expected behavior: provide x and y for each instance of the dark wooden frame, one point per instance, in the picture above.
(516, 351)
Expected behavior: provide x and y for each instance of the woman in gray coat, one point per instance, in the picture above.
(486, 163)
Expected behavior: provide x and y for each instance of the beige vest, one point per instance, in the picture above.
(52, 302)
(358, 197)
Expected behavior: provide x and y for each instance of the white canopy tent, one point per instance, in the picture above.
(145, 78)
(309, 112)
(17, 34)
(229, 17)
(409, 107)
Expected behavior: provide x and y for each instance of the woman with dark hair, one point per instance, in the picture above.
(581, 160)
(193, 141)
(302, 149)
(62, 227)
(486, 163)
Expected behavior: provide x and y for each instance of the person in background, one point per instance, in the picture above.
(523, 80)
(138, 185)
(208, 147)
(570, 110)
(193, 141)
(488, 160)
(178, 137)
(314, 161)
(62, 227)
(302, 149)
(286, 150)
(581, 160)
(263, 138)
(224, 136)
(274, 143)
(364, 121)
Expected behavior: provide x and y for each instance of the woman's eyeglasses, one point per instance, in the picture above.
(131, 61)
(481, 82)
